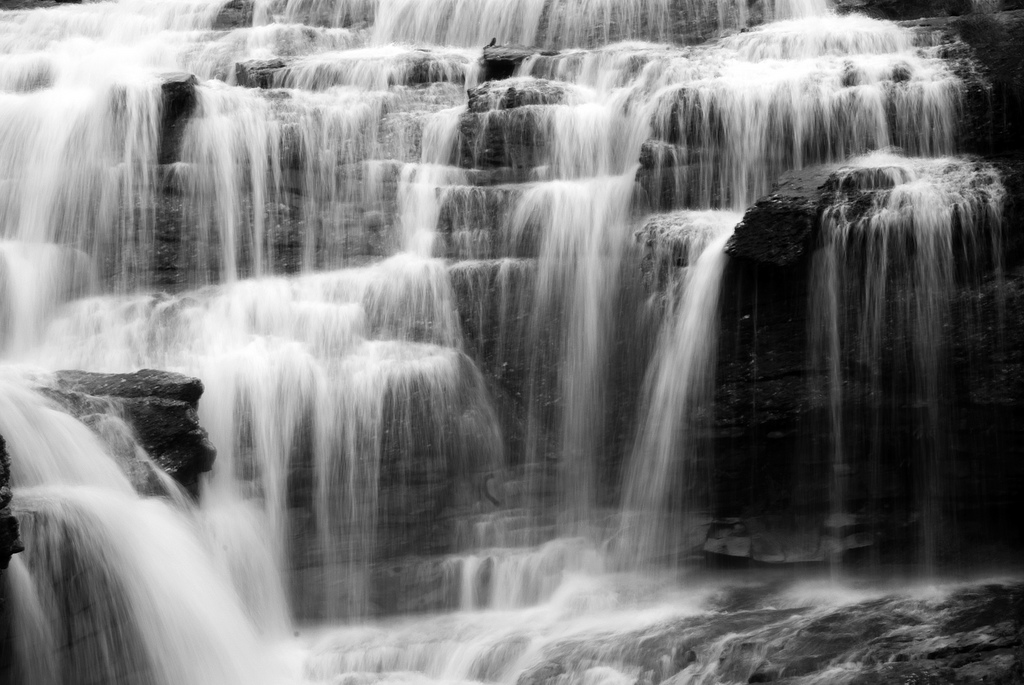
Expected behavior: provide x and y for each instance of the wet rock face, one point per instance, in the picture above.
(521, 93)
(421, 471)
(259, 73)
(505, 125)
(180, 258)
(178, 92)
(159, 407)
(234, 14)
(778, 230)
(34, 4)
(772, 401)
(994, 41)
(9, 541)
(901, 9)
(971, 635)
(427, 584)
(781, 230)
(501, 61)
(496, 139)
(141, 384)
(983, 50)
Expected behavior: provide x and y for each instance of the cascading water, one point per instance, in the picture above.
(115, 588)
(442, 369)
(898, 261)
(679, 388)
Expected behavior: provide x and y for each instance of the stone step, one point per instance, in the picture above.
(475, 222)
(366, 68)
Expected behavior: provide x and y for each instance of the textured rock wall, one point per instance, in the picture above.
(971, 636)
(9, 542)
(771, 436)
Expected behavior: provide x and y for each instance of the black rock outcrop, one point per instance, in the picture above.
(178, 101)
(771, 432)
(501, 61)
(9, 541)
(160, 408)
(779, 229)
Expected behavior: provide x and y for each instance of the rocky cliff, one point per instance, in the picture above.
(773, 399)
(768, 404)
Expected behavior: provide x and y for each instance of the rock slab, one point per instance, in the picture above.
(160, 407)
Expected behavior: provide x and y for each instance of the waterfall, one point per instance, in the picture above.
(680, 388)
(459, 280)
(112, 587)
(895, 265)
(125, 588)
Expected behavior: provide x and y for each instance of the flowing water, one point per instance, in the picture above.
(898, 261)
(440, 374)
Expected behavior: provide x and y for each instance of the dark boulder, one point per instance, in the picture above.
(178, 102)
(778, 230)
(501, 61)
(9, 540)
(145, 383)
(169, 431)
(159, 407)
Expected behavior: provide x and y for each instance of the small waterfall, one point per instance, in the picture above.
(885, 279)
(665, 471)
(111, 587)
(583, 223)
(678, 391)
(126, 593)
(223, 156)
(35, 279)
(309, 379)
(784, 100)
(100, 142)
